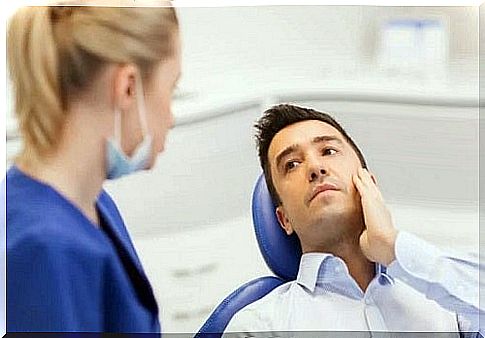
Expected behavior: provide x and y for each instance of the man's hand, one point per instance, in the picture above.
(378, 239)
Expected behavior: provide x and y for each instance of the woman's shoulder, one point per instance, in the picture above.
(41, 222)
(39, 239)
(28, 194)
(40, 218)
(50, 237)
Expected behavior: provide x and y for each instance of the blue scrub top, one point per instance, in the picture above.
(66, 275)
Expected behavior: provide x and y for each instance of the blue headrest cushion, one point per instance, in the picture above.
(281, 252)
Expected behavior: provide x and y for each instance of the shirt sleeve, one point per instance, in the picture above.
(450, 279)
(51, 287)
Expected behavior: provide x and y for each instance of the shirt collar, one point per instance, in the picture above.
(309, 267)
(313, 263)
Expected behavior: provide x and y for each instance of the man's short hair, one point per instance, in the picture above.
(280, 116)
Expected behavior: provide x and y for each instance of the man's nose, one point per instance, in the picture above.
(315, 171)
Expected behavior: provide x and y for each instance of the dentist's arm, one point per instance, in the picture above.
(451, 280)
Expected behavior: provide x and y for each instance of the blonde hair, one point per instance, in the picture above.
(54, 51)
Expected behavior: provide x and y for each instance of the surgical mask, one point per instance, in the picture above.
(117, 162)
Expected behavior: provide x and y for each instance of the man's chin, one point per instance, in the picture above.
(325, 205)
(333, 213)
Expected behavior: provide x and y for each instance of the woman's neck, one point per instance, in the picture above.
(76, 170)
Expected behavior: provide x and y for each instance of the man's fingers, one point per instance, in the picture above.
(358, 184)
(367, 180)
(365, 177)
(364, 241)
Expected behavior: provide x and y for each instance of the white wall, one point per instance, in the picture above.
(241, 46)
(238, 48)
(284, 42)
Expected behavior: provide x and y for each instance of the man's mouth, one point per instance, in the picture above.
(321, 188)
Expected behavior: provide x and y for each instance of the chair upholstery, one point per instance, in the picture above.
(281, 253)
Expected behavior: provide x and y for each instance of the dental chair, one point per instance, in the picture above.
(281, 253)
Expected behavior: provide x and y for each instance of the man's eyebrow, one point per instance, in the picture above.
(294, 147)
(288, 150)
(326, 138)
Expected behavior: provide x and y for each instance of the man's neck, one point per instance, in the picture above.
(360, 268)
(347, 247)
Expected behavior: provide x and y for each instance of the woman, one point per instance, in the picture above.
(93, 87)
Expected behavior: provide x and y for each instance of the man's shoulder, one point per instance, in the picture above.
(275, 296)
(259, 315)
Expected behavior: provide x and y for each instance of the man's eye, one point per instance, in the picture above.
(329, 151)
(291, 165)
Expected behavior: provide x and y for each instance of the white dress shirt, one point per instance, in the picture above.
(402, 298)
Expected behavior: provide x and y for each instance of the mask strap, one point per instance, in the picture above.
(118, 125)
(140, 99)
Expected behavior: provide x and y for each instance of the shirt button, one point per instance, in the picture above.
(382, 280)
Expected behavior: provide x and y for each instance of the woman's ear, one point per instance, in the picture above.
(283, 220)
(125, 86)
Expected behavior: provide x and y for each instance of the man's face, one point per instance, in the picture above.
(312, 167)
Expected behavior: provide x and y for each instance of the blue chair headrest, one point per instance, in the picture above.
(281, 252)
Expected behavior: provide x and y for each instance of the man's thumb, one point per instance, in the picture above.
(364, 243)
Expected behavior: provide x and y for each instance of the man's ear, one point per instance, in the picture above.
(284, 221)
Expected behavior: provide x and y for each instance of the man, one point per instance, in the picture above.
(318, 180)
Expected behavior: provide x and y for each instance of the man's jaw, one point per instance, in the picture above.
(333, 229)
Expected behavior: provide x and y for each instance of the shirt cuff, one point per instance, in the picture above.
(414, 257)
